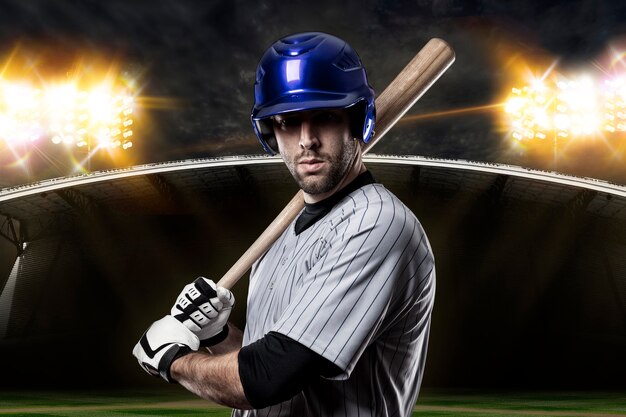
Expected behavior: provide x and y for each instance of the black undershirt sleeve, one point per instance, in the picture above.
(275, 368)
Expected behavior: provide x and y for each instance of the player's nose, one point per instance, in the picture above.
(308, 135)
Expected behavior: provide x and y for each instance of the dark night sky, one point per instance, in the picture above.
(203, 55)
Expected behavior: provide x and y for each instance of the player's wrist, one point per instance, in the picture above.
(177, 366)
(168, 359)
(183, 367)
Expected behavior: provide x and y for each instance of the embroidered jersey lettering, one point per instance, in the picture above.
(357, 287)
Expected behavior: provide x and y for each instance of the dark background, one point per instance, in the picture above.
(198, 60)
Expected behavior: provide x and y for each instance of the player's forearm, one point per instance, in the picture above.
(233, 342)
(212, 377)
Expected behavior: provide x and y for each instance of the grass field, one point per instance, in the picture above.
(178, 403)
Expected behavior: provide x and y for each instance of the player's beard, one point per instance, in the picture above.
(336, 168)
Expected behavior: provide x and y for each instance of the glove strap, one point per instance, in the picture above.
(218, 338)
(170, 356)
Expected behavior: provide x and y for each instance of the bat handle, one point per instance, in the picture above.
(263, 242)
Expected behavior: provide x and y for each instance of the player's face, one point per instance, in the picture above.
(317, 147)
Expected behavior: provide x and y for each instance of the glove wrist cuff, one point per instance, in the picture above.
(168, 358)
(218, 338)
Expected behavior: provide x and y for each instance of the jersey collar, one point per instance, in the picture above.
(315, 211)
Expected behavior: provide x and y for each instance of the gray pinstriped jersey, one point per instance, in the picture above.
(358, 288)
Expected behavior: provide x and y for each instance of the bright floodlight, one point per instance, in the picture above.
(615, 105)
(567, 108)
(64, 114)
(528, 108)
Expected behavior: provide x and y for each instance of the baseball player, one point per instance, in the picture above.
(339, 307)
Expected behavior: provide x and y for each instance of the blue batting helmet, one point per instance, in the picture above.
(309, 71)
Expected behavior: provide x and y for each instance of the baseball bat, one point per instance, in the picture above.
(408, 86)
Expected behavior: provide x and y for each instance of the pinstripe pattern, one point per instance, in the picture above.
(357, 288)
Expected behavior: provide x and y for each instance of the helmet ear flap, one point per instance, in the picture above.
(265, 133)
(357, 117)
(362, 116)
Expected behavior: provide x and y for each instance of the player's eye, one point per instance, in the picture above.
(327, 117)
(286, 122)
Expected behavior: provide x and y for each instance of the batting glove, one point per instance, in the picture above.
(204, 309)
(166, 340)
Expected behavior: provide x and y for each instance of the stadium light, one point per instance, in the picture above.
(615, 105)
(64, 114)
(529, 110)
(563, 108)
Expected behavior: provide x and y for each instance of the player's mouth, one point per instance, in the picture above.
(311, 165)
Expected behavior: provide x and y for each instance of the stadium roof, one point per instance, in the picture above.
(145, 188)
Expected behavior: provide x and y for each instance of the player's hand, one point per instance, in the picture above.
(204, 309)
(166, 340)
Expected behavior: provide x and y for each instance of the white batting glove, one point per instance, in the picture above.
(204, 309)
(166, 340)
